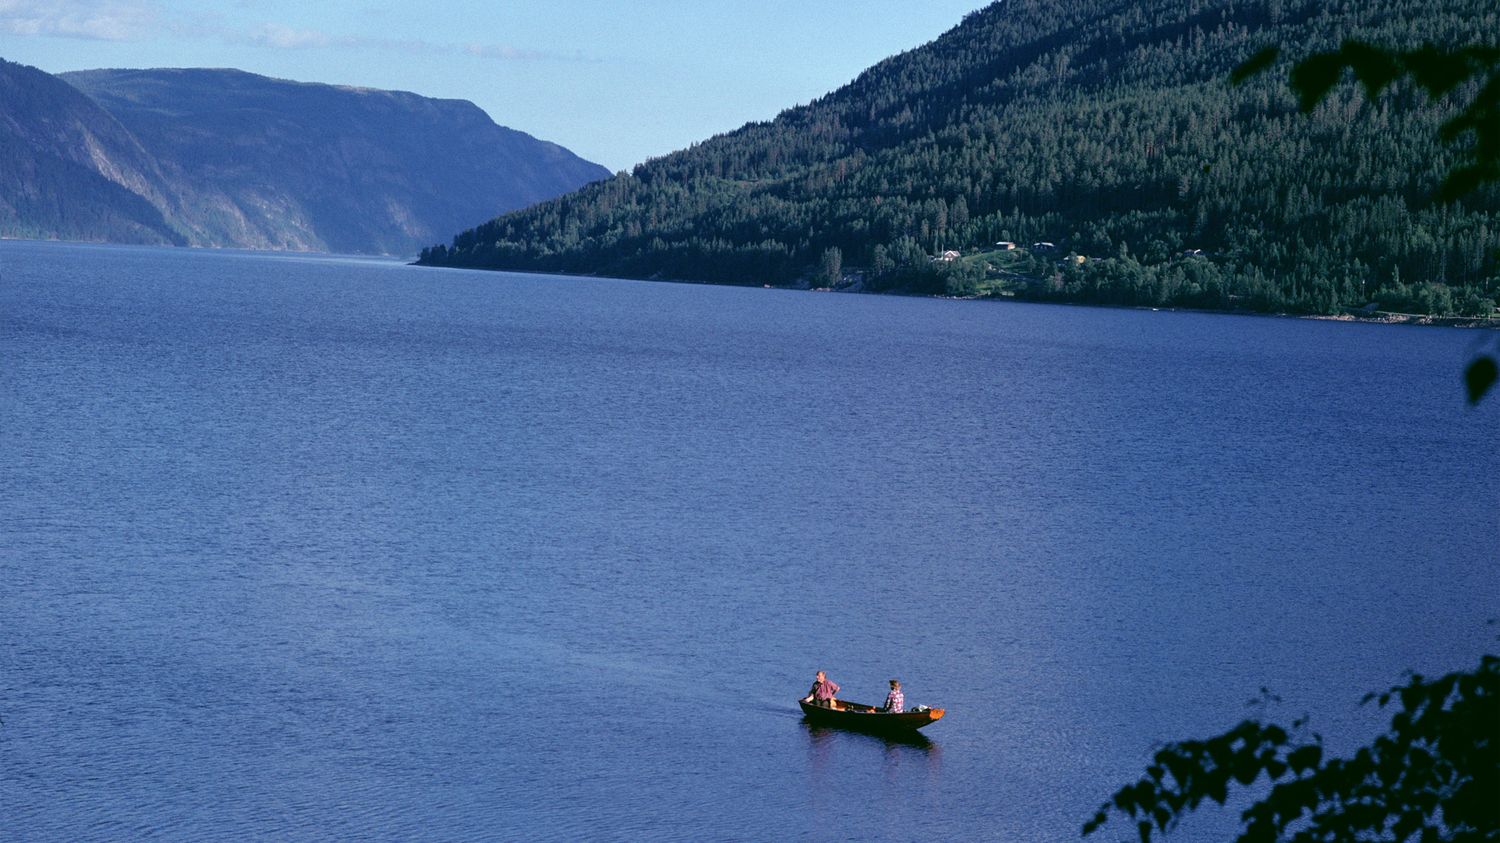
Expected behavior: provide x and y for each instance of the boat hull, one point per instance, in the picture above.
(864, 718)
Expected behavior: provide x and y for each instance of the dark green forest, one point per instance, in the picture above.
(1107, 129)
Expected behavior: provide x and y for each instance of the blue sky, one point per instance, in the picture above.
(616, 82)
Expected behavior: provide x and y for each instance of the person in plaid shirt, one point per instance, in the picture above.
(895, 702)
(822, 692)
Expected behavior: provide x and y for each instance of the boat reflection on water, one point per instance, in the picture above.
(824, 734)
(832, 752)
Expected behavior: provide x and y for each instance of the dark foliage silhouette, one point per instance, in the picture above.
(1435, 773)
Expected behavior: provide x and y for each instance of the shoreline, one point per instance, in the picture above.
(1390, 318)
(1379, 317)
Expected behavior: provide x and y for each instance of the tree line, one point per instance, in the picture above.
(1109, 130)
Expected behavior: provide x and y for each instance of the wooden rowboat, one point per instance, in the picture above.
(866, 718)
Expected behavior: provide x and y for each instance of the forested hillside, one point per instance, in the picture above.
(52, 139)
(1105, 128)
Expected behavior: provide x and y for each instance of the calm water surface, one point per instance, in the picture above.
(318, 548)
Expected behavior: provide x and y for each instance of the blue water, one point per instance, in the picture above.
(311, 548)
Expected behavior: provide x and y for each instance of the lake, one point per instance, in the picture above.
(305, 547)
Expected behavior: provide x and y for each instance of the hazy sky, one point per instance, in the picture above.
(616, 82)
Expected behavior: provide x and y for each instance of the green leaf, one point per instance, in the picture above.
(1182, 769)
(1313, 77)
(1245, 772)
(1460, 182)
(1375, 67)
(1305, 757)
(1480, 376)
(1218, 789)
(1257, 63)
(1163, 817)
(1437, 70)
(1407, 824)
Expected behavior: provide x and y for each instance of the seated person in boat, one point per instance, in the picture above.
(895, 702)
(823, 691)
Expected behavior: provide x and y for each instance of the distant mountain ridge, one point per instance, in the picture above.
(1106, 128)
(70, 170)
(228, 158)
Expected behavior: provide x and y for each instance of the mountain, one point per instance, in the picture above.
(68, 169)
(1105, 128)
(228, 158)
